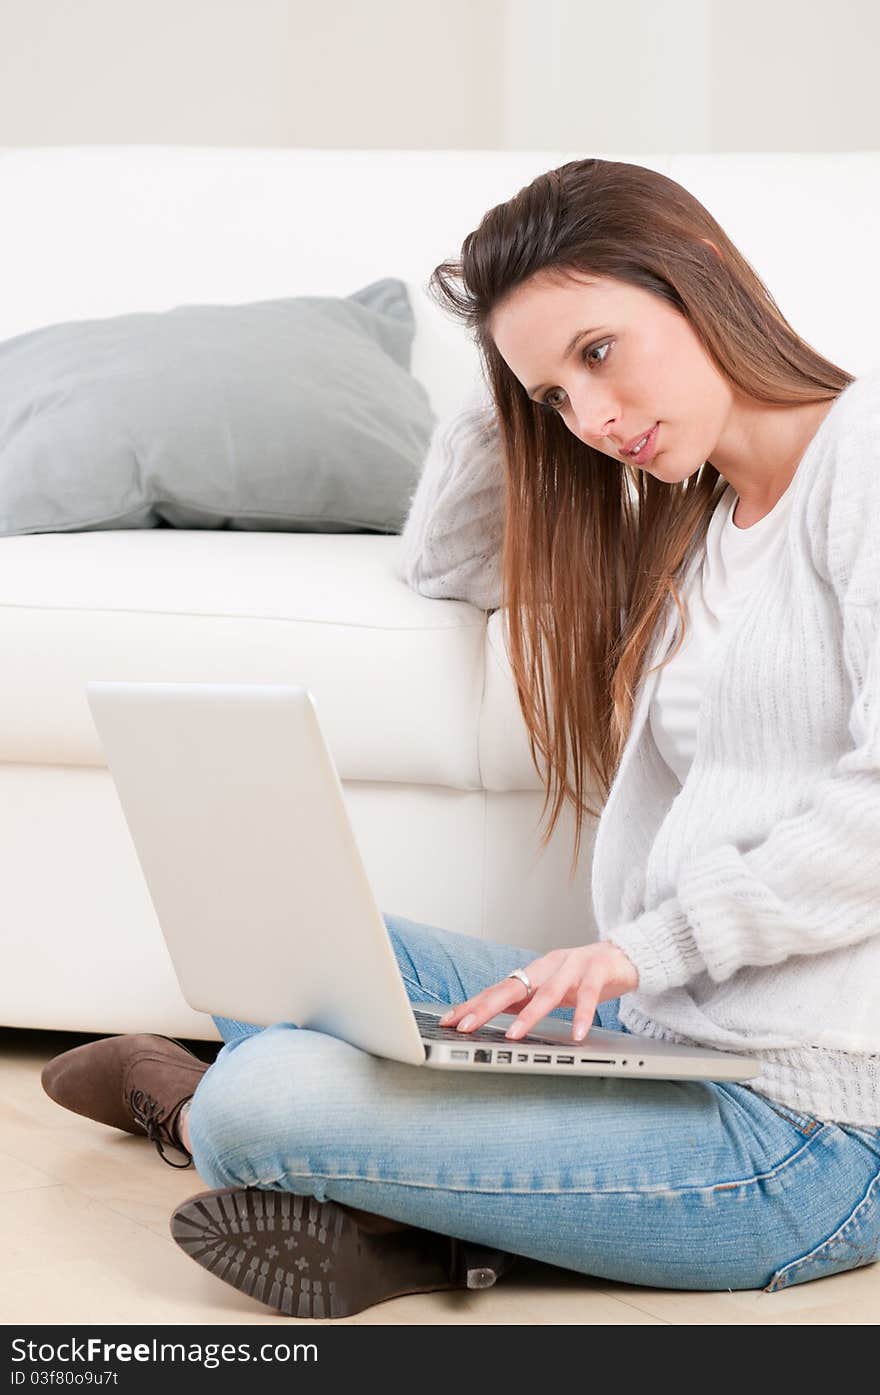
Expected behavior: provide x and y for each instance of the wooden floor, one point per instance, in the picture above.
(84, 1230)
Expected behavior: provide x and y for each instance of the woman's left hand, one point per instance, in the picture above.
(580, 978)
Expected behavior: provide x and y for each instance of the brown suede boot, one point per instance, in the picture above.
(137, 1082)
(322, 1259)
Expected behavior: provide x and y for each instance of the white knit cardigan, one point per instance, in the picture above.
(749, 898)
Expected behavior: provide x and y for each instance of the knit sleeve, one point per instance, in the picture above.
(452, 538)
(812, 885)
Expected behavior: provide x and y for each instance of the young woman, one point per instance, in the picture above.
(673, 456)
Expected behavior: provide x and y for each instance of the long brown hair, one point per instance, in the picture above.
(590, 554)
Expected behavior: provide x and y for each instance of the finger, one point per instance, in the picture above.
(585, 1010)
(476, 1011)
(450, 1013)
(499, 996)
(509, 991)
(548, 996)
(497, 999)
(456, 1011)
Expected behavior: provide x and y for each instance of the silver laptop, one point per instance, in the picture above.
(238, 819)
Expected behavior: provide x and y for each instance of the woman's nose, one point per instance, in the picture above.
(595, 427)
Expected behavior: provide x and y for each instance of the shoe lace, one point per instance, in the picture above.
(145, 1109)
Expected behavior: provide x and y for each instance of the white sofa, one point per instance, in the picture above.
(414, 694)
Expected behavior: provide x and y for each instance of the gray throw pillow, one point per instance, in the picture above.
(295, 415)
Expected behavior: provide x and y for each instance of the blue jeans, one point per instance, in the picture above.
(676, 1184)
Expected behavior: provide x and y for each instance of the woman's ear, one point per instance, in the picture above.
(711, 244)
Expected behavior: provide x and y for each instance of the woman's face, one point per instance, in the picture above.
(640, 363)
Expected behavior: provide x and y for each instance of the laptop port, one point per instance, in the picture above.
(522, 1056)
(596, 1061)
(540, 1058)
(565, 1060)
(503, 1056)
(458, 1055)
(482, 1055)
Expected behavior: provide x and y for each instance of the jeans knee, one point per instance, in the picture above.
(234, 1118)
(215, 1129)
(257, 1113)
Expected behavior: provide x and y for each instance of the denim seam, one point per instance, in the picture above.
(833, 1241)
(420, 988)
(548, 1191)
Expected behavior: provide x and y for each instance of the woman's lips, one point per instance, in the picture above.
(647, 451)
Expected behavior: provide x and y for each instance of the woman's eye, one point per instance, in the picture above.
(594, 349)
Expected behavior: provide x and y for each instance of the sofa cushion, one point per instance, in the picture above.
(296, 415)
(398, 679)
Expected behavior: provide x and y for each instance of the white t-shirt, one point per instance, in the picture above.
(734, 562)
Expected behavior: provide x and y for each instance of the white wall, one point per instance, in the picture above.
(626, 75)
(351, 73)
(692, 76)
(600, 76)
(804, 75)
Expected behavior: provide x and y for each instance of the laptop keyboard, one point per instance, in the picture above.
(432, 1031)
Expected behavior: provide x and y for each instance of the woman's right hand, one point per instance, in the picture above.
(580, 978)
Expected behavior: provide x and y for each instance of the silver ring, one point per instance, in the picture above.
(524, 979)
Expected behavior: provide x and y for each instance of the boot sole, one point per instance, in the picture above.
(312, 1259)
